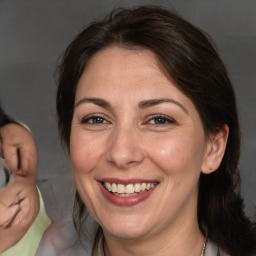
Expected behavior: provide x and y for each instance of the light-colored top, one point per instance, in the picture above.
(60, 239)
(211, 249)
(28, 244)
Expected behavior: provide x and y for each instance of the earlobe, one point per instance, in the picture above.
(215, 150)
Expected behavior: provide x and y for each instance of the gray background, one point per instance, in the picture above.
(33, 33)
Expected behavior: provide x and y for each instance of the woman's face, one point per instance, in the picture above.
(137, 146)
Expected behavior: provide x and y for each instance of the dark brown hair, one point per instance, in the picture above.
(190, 59)
(3, 118)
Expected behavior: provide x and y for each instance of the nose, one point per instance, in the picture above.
(124, 150)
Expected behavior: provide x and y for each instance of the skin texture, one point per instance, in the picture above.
(15, 138)
(163, 142)
(7, 214)
(22, 192)
(19, 201)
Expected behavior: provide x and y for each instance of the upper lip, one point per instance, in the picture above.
(127, 181)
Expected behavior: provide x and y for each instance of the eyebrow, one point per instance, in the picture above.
(97, 101)
(154, 102)
(142, 105)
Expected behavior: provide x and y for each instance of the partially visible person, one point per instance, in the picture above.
(23, 219)
(17, 145)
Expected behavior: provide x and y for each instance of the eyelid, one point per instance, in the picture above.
(155, 116)
(88, 117)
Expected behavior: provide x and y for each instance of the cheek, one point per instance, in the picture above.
(84, 152)
(176, 153)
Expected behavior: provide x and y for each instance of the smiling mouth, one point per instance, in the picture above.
(128, 190)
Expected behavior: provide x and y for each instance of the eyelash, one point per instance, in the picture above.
(158, 120)
(91, 119)
(166, 120)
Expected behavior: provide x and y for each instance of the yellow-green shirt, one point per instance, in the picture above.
(28, 244)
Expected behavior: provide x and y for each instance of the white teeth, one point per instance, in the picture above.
(137, 187)
(114, 187)
(108, 186)
(128, 190)
(120, 188)
(125, 195)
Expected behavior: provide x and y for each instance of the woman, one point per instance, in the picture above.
(148, 114)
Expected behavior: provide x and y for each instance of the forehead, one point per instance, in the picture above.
(109, 61)
(119, 68)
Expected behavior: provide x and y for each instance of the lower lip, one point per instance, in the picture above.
(128, 200)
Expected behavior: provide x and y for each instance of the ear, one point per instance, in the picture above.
(215, 150)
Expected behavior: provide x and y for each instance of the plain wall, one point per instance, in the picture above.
(34, 33)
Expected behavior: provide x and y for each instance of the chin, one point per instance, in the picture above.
(127, 234)
(127, 230)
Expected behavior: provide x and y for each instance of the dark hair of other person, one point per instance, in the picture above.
(188, 57)
(3, 117)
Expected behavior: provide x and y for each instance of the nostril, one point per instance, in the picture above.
(124, 150)
(125, 162)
